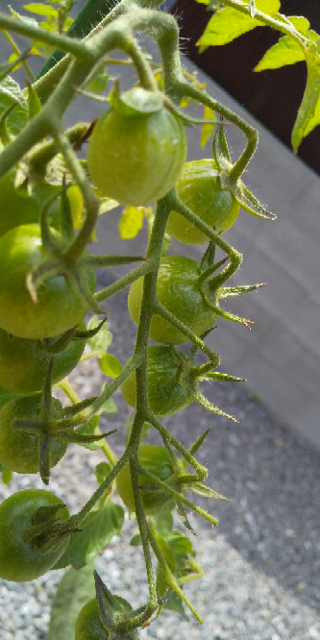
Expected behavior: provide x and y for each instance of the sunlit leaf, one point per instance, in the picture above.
(41, 9)
(308, 115)
(285, 51)
(300, 23)
(110, 365)
(228, 23)
(131, 222)
(102, 470)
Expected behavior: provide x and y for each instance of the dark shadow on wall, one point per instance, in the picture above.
(274, 96)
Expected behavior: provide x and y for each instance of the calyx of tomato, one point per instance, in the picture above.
(46, 532)
(56, 424)
(114, 618)
(241, 193)
(137, 101)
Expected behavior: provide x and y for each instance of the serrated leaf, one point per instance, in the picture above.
(207, 129)
(110, 365)
(10, 93)
(41, 9)
(75, 589)
(300, 23)
(131, 222)
(285, 51)
(228, 23)
(309, 113)
(101, 340)
(98, 528)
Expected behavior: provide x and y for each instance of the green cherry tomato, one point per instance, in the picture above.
(179, 291)
(166, 395)
(135, 158)
(20, 560)
(157, 460)
(24, 363)
(18, 447)
(58, 307)
(89, 625)
(17, 209)
(199, 188)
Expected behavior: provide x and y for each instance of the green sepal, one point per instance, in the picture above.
(229, 292)
(211, 407)
(137, 101)
(206, 492)
(183, 517)
(220, 149)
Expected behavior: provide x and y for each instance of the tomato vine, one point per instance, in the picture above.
(140, 143)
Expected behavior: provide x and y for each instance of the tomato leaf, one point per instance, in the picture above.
(285, 51)
(75, 589)
(10, 93)
(110, 365)
(136, 540)
(41, 9)
(131, 222)
(228, 24)
(102, 470)
(174, 603)
(180, 544)
(309, 111)
(98, 529)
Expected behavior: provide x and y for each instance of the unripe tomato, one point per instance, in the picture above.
(135, 158)
(89, 625)
(21, 561)
(199, 188)
(179, 291)
(19, 449)
(58, 307)
(24, 363)
(17, 209)
(157, 460)
(165, 393)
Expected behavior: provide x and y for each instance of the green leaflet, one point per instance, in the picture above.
(309, 111)
(110, 365)
(97, 530)
(9, 93)
(228, 24)
(74, 591)
(41, 9)
(285, 51)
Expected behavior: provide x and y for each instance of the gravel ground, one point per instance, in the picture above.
(262, 563)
